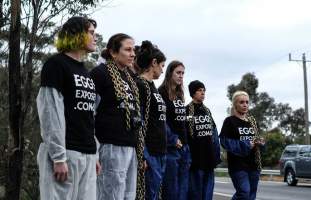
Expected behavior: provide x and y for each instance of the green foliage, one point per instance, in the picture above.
(275, 144)
(40, 23)
(261, 104)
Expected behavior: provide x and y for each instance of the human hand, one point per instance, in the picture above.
(179, 144)
(260, 141)
(60, 171)
(252, 143)
(98, 168)
(145, 165)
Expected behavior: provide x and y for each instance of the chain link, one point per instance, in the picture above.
(191, 114)
(252, 121)
(121, 95)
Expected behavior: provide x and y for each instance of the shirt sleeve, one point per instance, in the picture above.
(234, 146)
(52, 74)
(50, 104)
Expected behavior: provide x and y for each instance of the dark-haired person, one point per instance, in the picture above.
(175, 182)
(117, 120)
(204, 145)
(66, 101)
(240, 137)
(151, 61)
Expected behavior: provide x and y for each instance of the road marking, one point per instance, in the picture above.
(221, 182)
(226, 195)
(222, 194)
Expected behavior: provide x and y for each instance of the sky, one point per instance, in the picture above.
(221, 40)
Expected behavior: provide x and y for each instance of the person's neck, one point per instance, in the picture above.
(196, 101)
(174, 86)
(76, 55)
(147, 75)
(240, 115)
(121, 67)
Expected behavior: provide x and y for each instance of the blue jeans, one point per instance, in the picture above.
(201, 185)
(154, 176)
(245, 183)
(176, 178)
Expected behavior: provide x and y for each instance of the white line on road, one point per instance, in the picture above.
(226, 195)
(221, 182)
(222, 194)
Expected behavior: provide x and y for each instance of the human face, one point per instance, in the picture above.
(157, 69)
(178, 75)
(91, 42)
(199, 95)
(125, 56)
(241, 104)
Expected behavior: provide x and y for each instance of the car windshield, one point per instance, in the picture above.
(290, 152)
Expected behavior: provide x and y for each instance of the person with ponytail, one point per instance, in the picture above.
(204, 145)
(67, 156)
(175, 182)
(240, 137)
(150, 61)
(117, 120)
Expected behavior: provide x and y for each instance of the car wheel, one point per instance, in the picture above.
(290, 178)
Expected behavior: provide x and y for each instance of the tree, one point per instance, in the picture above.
(15, 163)
(292, 122)
(27, 38)
(261, 104)
(275, 144)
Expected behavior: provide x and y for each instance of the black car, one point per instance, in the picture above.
(295, 163)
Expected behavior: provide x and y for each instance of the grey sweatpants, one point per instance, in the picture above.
(81, 182)
(117, 181)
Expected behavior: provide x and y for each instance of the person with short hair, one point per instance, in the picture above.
(117, 120)
(204, 144)
(240, 137)
(175, 182)
(151, 61)
(66, 101)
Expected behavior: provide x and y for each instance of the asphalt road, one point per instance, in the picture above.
(267, 190)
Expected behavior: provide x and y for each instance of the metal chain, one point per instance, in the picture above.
(147, 106)
(120, 90)
(191, 114)
(252, 121)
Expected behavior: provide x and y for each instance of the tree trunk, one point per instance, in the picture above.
(16, 138)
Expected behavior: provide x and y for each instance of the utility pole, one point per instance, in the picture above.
(304, 63)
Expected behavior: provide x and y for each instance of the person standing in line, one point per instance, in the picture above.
(151, 61)
(175, 182)
(240, 138)
(204, 145)
(117, 120)
(66, 101)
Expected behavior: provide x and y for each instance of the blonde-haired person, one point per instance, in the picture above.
(66, 158)
(176, 178)
(240, 138)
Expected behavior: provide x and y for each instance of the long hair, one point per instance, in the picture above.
(167, 83)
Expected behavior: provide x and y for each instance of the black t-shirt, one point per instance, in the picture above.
(201, 141)
(72, 79)
(156, 133)
(238, 129)
(110, 119)
(175, 115)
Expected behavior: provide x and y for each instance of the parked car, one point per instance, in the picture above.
(295, 163)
